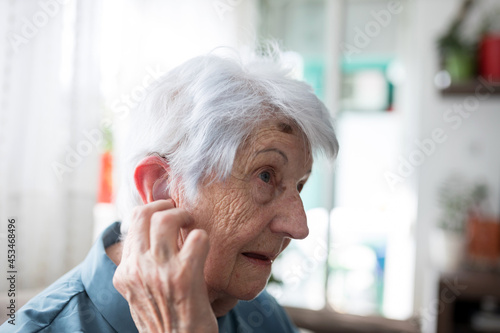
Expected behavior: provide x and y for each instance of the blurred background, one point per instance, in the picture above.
(405, 233)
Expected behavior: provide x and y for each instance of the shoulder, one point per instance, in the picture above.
(41, 310)
(262, 314)
(62, 307)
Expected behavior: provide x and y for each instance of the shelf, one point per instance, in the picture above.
(461, 290)
(479, 86)
(326, 321)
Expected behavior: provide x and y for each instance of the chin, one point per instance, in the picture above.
(251, 290)
(250, 296)
(245, 282)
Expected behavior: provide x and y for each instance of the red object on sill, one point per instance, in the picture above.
(489, 57)
(483, 239)
(105, 194)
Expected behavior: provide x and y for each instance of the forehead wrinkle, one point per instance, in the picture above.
(275, 150)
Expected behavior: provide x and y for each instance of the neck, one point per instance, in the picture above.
(221, 305)
(114, 252)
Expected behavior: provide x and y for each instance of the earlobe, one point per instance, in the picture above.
(151, 179)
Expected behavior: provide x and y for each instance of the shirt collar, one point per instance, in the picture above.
(97, 278)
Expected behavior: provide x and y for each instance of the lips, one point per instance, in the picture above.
(259, 258)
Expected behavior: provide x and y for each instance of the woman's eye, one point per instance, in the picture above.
(265, 176)
(299, 187)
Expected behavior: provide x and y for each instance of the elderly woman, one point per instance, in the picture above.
(219, 152)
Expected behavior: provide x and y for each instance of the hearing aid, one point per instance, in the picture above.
(160, 189)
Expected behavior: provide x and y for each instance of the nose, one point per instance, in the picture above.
(291, 219)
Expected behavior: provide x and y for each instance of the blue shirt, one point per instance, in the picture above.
(85, 300)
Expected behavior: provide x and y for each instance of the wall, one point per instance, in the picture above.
(472, 148)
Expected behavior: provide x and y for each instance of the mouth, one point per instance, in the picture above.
(259, 258)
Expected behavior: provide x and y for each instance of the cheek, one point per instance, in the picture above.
(230, 219)
(233, 218)
(262, 193)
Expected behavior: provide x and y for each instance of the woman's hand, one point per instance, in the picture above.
(165, 286)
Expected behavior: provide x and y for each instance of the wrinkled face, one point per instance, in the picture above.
(251, 217)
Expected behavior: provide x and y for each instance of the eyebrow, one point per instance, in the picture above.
(276, 150)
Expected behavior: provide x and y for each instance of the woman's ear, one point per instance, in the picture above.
(151, 179)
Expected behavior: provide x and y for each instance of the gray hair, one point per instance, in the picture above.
(199, 114)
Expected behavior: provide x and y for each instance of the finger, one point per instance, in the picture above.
(137, 240)
(194, 252)
(164, 231)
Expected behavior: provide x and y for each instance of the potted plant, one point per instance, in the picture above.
(448, 239)
(483, 231)
(457, 54)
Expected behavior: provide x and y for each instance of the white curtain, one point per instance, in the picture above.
(49, 100)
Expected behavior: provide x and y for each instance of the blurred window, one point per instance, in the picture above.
(359, 257)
